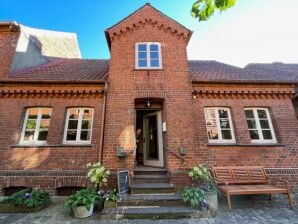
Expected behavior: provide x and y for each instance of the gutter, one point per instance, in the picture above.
(103, 122)
(20, 81)
(245, 82)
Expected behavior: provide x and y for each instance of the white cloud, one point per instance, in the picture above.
(260, 31)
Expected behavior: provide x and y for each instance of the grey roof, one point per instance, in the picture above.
(37, 46)
(217, 71)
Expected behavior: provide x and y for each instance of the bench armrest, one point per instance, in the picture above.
(283, 181)
(221, 181)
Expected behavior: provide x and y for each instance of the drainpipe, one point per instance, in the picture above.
(103, 121)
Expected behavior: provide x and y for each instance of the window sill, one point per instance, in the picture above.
(51, 146)
(247, 145)
(150, 69)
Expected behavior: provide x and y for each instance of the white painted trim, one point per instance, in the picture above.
(37, 127)
(220, 140)
(78, 130)
(148, 55)
(258, 126)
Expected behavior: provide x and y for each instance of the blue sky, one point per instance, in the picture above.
(252, 31)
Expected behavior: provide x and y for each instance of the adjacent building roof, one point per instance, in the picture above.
(37, 46)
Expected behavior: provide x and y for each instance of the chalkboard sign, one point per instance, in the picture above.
(123, 182)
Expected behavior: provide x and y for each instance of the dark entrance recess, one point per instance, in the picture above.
(7, 191)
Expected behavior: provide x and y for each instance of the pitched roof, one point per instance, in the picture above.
(65, 70)
(220, 72)
(276, 71)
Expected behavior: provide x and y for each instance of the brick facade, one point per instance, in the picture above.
(183, 100)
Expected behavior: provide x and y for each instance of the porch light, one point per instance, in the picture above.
(148, 103)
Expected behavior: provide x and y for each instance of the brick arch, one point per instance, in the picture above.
(17, 182)
(71, 182)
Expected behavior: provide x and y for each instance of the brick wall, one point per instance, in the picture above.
(8, 41)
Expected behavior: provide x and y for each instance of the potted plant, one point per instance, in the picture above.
(26, 200)
(195, 196)
(81, 203)
(110, 199)
(203, 178)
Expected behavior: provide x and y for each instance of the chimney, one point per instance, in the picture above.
(9, 35)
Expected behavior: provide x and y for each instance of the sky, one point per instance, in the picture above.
(253, 31)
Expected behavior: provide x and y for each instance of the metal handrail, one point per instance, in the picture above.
(176, 154)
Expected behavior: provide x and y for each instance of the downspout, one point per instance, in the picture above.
(103, 121)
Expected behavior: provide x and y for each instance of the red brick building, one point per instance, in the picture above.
(148, 106)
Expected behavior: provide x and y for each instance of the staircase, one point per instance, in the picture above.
(152, 197)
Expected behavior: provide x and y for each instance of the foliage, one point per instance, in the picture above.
(203, 177)
(98, 174)
(111, 195)
(203, 9)
(84, 197)
(193, 195)
(29, 198)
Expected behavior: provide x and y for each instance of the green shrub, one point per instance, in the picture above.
(98, 174)
(203, 177)
(193, 195)
(84, 197)
(111, 195)
(29, 198)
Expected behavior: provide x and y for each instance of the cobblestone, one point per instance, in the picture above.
(246, 210)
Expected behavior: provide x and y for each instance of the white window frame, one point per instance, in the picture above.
(148, 55)
(79, 127)
(258, 126)
(37, 127)
(220, 139)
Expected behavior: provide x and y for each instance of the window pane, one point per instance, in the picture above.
(71, 135)
(154, 63)
(223, 113)
(44, 123)
(142, 63)
(85, 135)
(224, 123)
(142, 47)
(249, 114)
(87, 114)
(142, 55)
(254, 134)
(267, 134)
(28, 135)
(212, 133)
(42, 135)
(86, 124)
(251, 124)
(211, 123)
(210, 113)
(31, 124)
(264, 124)
(226, 134)
(153, 47)
(72, 124)
(154, 55)
(262, 114)
(33, 113)
(74, 113)
(46, 113)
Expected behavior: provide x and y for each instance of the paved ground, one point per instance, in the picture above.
(247, 210)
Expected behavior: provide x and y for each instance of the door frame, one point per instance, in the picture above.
(161, 159)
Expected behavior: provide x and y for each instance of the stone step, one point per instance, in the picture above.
(137, 179)
(152, 188)
(150, 172)
(155, 212)
(173, 199)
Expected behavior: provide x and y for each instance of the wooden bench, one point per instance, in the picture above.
(245, 180)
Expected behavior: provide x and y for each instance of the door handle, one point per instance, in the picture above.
(144, 139)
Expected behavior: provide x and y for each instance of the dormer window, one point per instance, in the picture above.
(148, 55)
